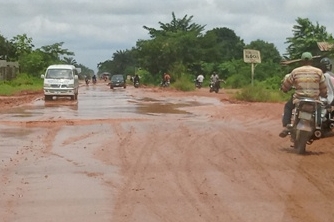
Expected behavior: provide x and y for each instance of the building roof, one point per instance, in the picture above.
(325, 46)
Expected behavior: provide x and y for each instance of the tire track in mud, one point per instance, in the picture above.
(30, 151)
(135, 158)
(295, 205)
(10, 197)
(192, 184)
(35, 150)
(175, 178)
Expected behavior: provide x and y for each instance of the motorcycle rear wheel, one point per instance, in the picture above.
(300, 141)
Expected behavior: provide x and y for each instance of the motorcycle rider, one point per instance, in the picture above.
(214, 77)
(199, 80)
(166, 79)
(94, 78)
(308, 81)
(86, 80)
(135, 79)
(326, 67)
(215, 81)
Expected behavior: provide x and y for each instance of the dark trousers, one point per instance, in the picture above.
(288, 107)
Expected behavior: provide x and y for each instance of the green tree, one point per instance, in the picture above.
(33, 63)
(268, 51)
(70, 61)
(123, 61)
(221, 44)
(105, 66)
(85, 71)
(7, 51)
(172, 48)
(55, 51)
(38, 60)
(176, 25)
(238, 73)
(22, 45)
(305, 38)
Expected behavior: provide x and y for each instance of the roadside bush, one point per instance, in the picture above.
(22, 79)
(22, 82)
(261, 94)
(237, 81)
(184, 83)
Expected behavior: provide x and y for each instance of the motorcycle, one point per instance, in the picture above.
(197, 84)
(136, 84)
(165, 83)
(94, 81)
(311, 120)
(214, 86)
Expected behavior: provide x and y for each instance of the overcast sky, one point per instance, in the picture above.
(95, 29)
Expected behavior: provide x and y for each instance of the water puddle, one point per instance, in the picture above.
(14, 132)
(99, 104)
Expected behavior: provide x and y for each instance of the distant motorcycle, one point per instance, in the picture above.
(214, 86)
(165, 83)
(197, 84)
(94, 81)
(136, 84)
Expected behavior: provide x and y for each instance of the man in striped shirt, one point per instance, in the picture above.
(308, 81)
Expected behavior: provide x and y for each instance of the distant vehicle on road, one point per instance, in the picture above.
(117, 80)
(105, 76)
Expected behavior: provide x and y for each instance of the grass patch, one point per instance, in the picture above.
(22, 83)
(184, 84)
(261, 94)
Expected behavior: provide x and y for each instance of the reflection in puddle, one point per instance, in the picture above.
(160, 108)
(73, 105)
(14, 132)
(156, 106)
(24, 112)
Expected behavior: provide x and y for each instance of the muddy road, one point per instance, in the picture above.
(158, 155)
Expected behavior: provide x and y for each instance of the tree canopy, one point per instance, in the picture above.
(305, 38)
(182, 47)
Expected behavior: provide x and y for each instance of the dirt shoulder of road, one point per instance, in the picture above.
(19, 98)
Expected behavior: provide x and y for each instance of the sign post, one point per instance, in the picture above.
(253, 57)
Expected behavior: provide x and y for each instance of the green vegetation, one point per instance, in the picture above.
(261, 94)
(22, 83)
(184, 84)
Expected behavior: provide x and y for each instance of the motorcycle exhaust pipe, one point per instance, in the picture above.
(317, 133)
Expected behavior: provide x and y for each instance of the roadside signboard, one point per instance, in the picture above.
(252, 56)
